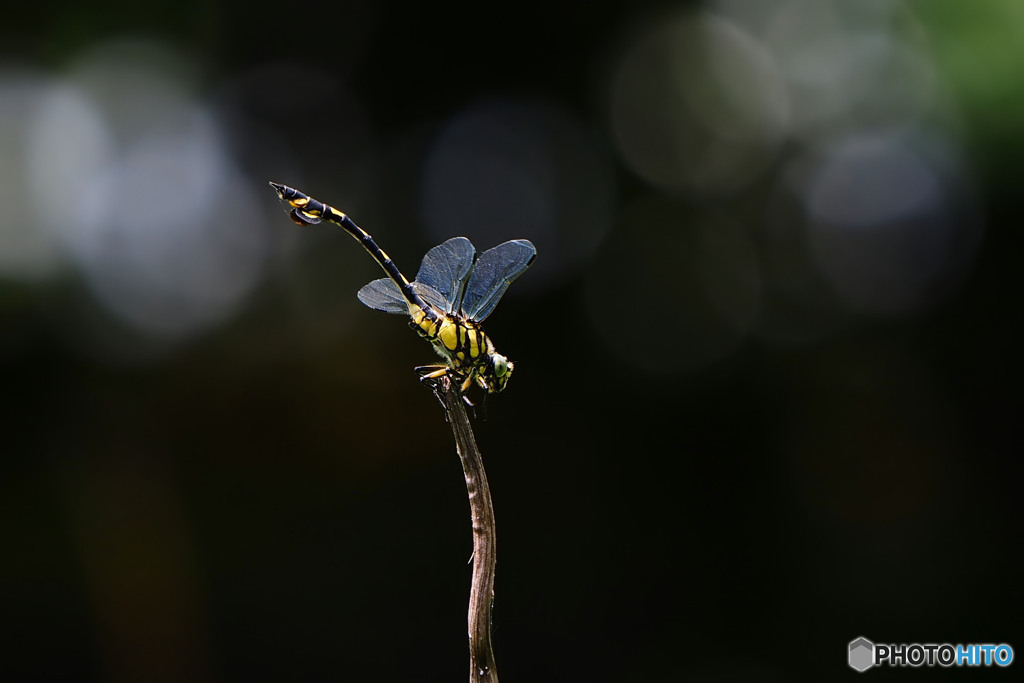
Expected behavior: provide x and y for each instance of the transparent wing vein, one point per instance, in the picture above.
(493, 273)
(384, 295)
(445, 269)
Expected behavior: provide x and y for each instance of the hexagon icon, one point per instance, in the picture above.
(862, 654)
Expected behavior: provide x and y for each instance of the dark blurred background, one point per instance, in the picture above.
(766, 397)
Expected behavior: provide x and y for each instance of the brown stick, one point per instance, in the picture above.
(482, 668)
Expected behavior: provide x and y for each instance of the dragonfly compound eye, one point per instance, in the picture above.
(501, 367)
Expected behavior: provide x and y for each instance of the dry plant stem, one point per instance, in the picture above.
(482, 668)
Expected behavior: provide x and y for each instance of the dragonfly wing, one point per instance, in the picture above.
(430, 295)
(493, 273)
(384, 295)
(445, 269)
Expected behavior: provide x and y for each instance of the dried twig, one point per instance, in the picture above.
(482, 668)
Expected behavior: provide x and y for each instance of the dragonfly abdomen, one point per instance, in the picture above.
(427, 323)
(309, 211)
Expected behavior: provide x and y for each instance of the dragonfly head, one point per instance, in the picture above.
(495, 373)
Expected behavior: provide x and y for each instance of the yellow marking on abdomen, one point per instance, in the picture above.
(422, 323)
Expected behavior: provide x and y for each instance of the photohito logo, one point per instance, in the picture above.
(863, 654)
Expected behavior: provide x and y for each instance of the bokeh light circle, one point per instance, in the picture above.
(887, 224)
(502, 169)
(132, 174)
(697, 104)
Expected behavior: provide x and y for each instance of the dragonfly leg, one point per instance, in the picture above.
(431, 371)
(466, 384)
(431, 375)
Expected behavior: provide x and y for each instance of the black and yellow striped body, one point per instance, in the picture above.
(467, 351)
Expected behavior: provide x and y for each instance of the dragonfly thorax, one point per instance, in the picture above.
(466, 349)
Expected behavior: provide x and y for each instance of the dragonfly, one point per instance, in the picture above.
(453, 293)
